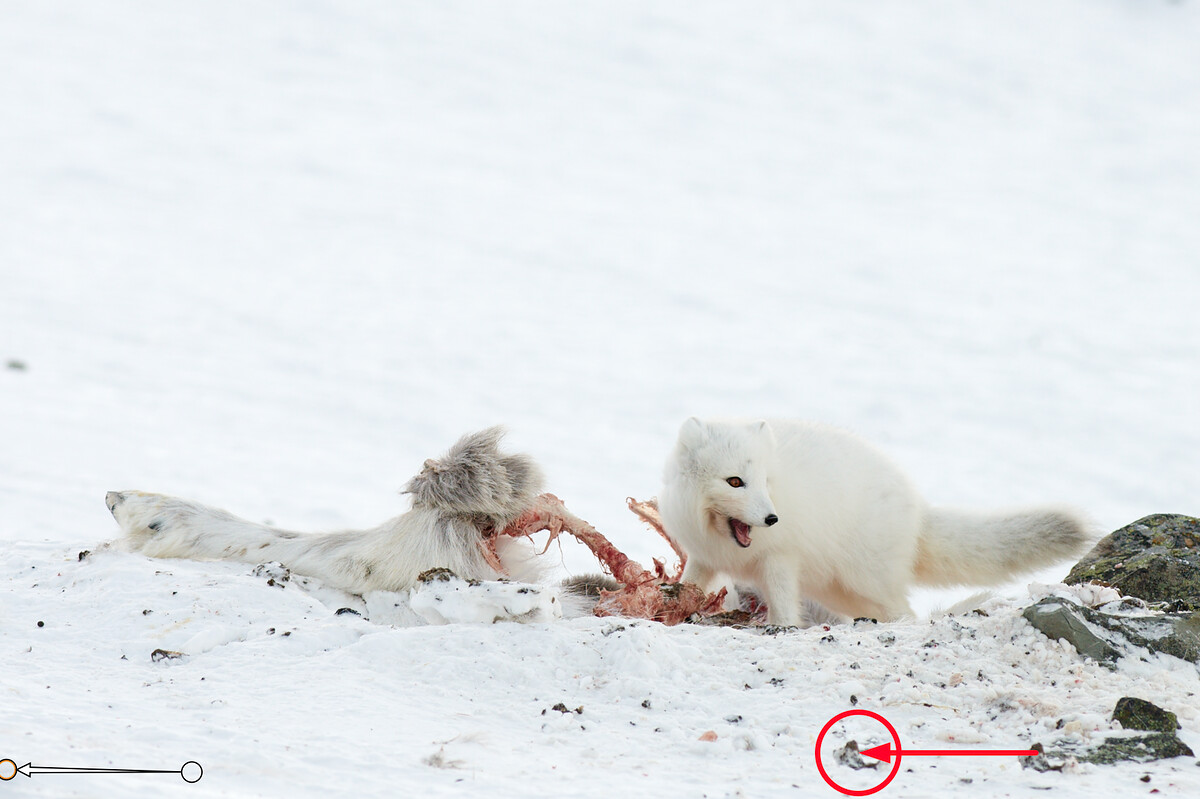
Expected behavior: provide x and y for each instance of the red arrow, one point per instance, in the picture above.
(884, 752)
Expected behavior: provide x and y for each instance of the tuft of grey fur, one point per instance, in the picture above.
(589, 585)
(579, 594)
(476, 482)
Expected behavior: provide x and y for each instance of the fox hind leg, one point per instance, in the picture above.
(161, 526)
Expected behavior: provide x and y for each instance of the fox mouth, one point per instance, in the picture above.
(740, 532)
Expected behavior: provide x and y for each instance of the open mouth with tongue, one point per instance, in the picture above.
(740, 532)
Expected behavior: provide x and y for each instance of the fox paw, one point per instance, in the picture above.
(140, 513)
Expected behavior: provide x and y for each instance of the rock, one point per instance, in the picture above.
(849, 756)
(1133, 713)
(1138, 714)
(1059, 619)
(1175, 634)
(1106, 636)
(1156, 558)
(1138, 748)
(1040, 761)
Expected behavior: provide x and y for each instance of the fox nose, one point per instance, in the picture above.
(770, 520)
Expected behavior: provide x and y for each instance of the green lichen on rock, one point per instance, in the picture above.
(1138, 714)
(1138, 748)
(1133, 713)
(1157, 558)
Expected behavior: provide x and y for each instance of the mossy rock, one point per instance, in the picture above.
(1156, 558)
(1138, 748)
(1134, 714)
(1138, 714)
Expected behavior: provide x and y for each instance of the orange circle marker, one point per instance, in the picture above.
(8, 769)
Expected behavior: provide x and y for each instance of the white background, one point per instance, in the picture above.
(273, 256)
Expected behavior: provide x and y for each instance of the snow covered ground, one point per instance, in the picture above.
(273, 256)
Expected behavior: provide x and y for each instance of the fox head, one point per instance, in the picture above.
(717, 477)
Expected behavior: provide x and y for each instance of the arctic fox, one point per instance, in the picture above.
(473, 488)
(803, 511)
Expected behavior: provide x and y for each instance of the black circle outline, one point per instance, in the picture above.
(191, 763)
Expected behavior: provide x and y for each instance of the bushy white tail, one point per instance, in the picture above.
(959, 547)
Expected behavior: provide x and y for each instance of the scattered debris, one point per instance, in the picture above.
(1041, 761)
(708, 736)
(441, 597)
(276, 573)
(850, 757)
(159, 655)
(441, 574)
(439, 760)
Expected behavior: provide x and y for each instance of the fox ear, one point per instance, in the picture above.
(693, 433)
(763, 428)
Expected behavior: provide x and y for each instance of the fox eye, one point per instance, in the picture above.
(736, 482)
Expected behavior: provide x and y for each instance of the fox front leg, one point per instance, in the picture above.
(781, 585)
(698, 574)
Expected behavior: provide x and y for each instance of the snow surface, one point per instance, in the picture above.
(272, 256)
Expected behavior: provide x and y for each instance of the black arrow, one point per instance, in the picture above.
(190, 771)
